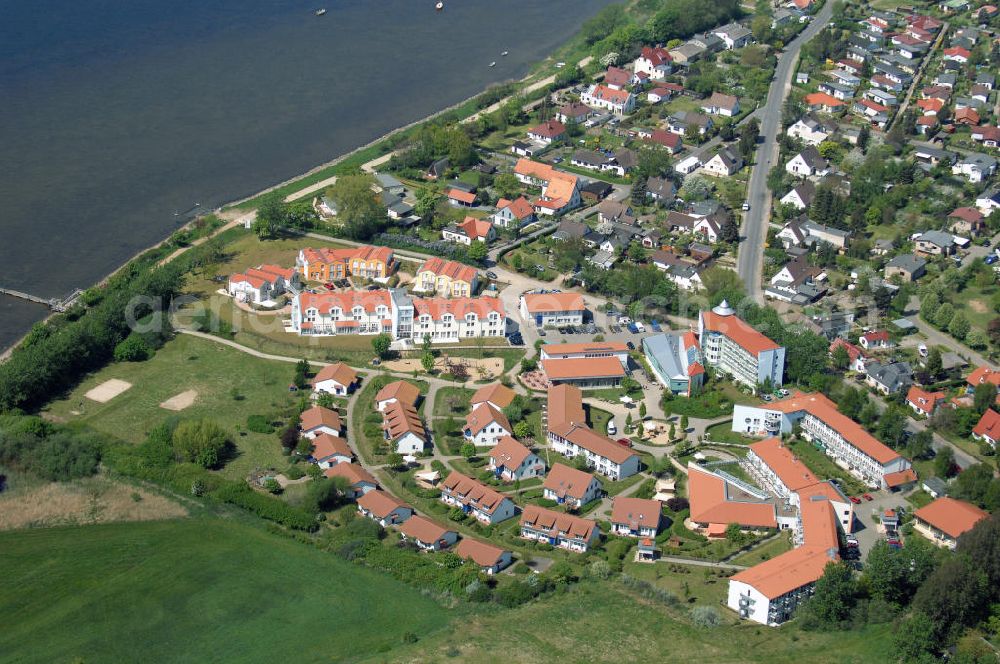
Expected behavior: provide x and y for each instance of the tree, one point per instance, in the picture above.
(477, 252)
(270, 215)
(301, 379)
(359, 210)
(427, 361)
(894, 575)
(133, 349)
(955, 595)
(729, 232)
(915, 638)
(983, 397)
(841, 359)
(959, 326)
(863, 137)
(934, 364)
(834, 598)
(684, 422)
(642, 410)
(977, 339)
(718, 280)
(381, 343)
(394, 460)
(522, 430)
(427, 200)
(638, 196)
(943, 315)
(200, 441)
(920, 445)
(760, 26)
(993, 331)
(468, 450)
(929, 306)
(944, 462)
(506, 185)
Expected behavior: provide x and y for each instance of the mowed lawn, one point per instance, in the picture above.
(219, 374)
(599, 623)
(196, 590)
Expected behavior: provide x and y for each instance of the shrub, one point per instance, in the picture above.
(200, 441)
(133, 349)
(705, 616)
(50, 453)
(272, 486)
(266, 507)
(259, 424)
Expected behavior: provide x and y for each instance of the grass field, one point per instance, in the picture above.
(823, 466)
(601, 624)
(194, 590)
(185, 363)
(765, 551)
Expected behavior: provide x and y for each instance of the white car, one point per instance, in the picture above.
(612, 429)
(922, 349)
(746, 205)
(639, 326)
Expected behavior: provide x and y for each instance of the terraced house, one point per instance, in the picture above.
(559, 529)
(327, 264)
(735, 348)
(476, 499)
(396, 313)
(570, 436)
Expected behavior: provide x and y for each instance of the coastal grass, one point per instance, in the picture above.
(231, 387)
(607, 621)
(200, 589)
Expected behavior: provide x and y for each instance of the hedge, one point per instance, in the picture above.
(266, 507)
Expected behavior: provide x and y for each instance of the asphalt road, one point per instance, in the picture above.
(754, 230)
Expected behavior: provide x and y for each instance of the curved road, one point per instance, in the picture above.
(754, 231)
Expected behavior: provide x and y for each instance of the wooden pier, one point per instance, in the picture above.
(53, 303)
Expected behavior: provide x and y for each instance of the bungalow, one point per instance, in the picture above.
(988, 428)
(317, 420)
(723, 163)
(883, 82)
(427, 535)
(945, 520)
(655, 61)
(810, 130)
(510, 461)
(966, 116)
(856, 356)
(923, 402)
(808, 163)
(570, 487)
(888, 378)
(469, 231)
(682, 122)
(935, 243)
(384, 508)
(836, 90)
(876, 339)
(734, 35)
(486, 425)
(497, 395)
(688, 165)
(877, 114)
(721, 104)
(926, 124)
(328, 451)
(337, 379)
(668, 139)
(635, 517)
(397, 391)
(661, 190)
(548, 132)
(575, 113)
(491, 559)
(686, 52)
(558, 529)
(461, 198)
(906, 266)
(820, 101)
(664, 92)
(472, 497)
(956, 54)
(966, 221)
(359, 480)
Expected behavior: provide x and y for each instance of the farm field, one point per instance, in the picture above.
(606, 621)
(194, 590)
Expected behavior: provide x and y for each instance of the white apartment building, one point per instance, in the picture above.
(396, 313)
(558, 529)
(843, 440)
(735, 348)
(472, 497)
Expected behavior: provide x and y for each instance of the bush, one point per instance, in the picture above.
(47, 452)
(272, 486)
(133, 349)
(200, 441)
(259, 424)
(266, 507)
(705, 616)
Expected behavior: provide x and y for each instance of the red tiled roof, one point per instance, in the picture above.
(484, 415)
(792, 472)
(636, 512)
(325, 446)
(476, 228)
(710, 503)
(537, 303)
(318, 416)
(399, 390)
(453, 269)
(983, 375)
(733, 328)
(520, 207)
(466, 197)
(549, 129)
(556, 523)
(565, 406)
(497, 393)
(988, 425)
(338, 372)
(479, 552)
(509, 453)
(352, 472)
(424, 530)
(823, 99)
(380, 503)
(566, 481)
(950, 516)
(923, 400)
(582, 367)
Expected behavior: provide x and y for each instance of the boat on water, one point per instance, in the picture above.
(493, 64)
(439, 6)
(504, 54)
(320, 12)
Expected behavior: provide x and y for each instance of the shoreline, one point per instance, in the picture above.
(225, 211)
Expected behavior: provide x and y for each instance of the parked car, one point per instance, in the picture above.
(867, 497)
(991, 259)
(855, 500)
(633, 328)
(655, 325)
(329, 286)
(625, 442)
(630, 345)
(491, 274)
(746, 205)
(612, 429)
(640, 327)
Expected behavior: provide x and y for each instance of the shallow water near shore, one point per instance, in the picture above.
(116, 116)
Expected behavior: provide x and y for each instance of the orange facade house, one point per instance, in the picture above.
(368, 262)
